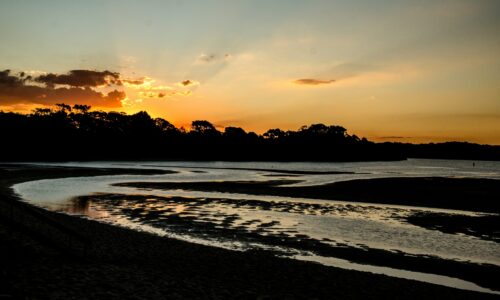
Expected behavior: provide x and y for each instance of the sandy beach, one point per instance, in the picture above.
(47, 255)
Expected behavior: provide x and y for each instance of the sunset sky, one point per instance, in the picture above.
(418, 71)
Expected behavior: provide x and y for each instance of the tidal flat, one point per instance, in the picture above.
(225, 225)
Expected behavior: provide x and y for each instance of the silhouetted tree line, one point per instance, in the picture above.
(77, 133)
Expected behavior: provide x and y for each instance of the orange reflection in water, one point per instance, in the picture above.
(85, 207)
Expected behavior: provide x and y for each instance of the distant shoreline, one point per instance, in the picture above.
(78, 133)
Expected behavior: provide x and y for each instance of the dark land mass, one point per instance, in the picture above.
(480, 195)
(76, 133)
(47, 255)
(279, 171)
(484, 227)
(154, 213)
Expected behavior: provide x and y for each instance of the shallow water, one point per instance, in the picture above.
(219, 170)
(241, 222)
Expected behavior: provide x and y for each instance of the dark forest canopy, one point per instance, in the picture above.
(77, 133)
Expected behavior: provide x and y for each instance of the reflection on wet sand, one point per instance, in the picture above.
(287, 229)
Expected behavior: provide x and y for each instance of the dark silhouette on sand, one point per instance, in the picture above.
(77, 133)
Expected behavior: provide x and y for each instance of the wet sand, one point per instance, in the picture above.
(484, 227)
(276, 171)
(46, 255)
(194, 221)
(480, 195)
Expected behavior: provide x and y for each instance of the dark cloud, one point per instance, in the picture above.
(17, 90)
(312, 81)
(6, 79)
(187, 82)
(81, 78)
(133, 81)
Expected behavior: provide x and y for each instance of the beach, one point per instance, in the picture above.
(49, 255)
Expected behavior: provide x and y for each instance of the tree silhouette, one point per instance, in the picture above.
(82, 108)
(274, 134)
(203, 127)
(77, 133)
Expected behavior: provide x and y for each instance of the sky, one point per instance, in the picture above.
(410, 71)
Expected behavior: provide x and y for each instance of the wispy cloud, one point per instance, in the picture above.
(213, 58)
(133, 81)
(313, 81)
(188, 83)
(393, 137)
(149, 88)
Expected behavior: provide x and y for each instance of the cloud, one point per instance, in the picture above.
(207, 66)
(391, 137)
(206, 58)
(139, 81)
(148, 94)
(188, 83)
(96, 88)
(312, 81)
(16, 89)
(81, 78)
(209, 58)
(10, 81)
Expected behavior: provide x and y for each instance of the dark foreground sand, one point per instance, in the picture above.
(46, 255)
